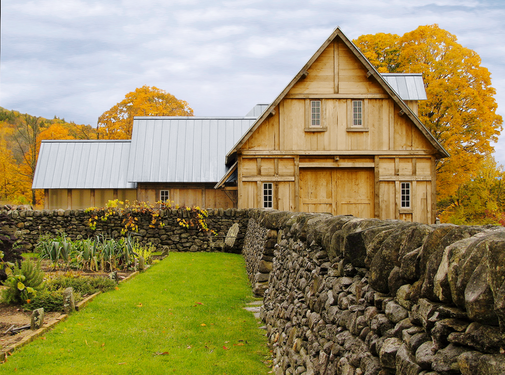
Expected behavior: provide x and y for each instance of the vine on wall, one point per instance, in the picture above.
(194, 217)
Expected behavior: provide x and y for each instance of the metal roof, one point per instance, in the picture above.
(257, 110)
(183, 149)
(409, 86)
(80, 164)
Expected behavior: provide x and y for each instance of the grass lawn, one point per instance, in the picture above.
(183, 316)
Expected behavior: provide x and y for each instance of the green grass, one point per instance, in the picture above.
(183, 316)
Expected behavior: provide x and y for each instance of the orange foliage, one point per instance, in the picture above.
(117, 122)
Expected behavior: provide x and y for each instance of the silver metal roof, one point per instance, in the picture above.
(183, 149)
(257, 111)
(409, 86)
(79, 164)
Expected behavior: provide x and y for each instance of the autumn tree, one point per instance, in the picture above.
(20, 137)
(461, 109)
(117, 122)
(479, 201)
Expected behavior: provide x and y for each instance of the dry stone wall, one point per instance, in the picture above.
(363, 296)
(30, 225)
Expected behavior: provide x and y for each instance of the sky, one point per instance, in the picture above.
(75, 59)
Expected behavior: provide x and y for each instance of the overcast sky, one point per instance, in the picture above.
(75, 59)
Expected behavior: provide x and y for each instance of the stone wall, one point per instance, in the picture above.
(30, 225)
(364, 296)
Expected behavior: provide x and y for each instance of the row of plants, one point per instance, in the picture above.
(29, 286)
(93, 254)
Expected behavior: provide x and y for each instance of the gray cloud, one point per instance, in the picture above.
(77, 58)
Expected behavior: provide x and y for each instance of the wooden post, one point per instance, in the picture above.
(46, 199)
(377, 187)
(433, 190)
(297, 183)
(92, 197)
(69, 199)
(114, 194)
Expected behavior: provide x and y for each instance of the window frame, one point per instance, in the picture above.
(315, 114)
(350, 115)
(405, 195)
(167, 195)
(309, 112)
(267, 194)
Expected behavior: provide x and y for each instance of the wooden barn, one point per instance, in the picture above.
(340, 138)
(344, 139)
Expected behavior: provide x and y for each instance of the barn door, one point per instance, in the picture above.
(355, 192)
(317, 188)
(340, 191)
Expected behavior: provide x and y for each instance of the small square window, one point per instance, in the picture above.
(405, 194)
(315, 113)
(164, 195)
(268, 195)
(357, 113)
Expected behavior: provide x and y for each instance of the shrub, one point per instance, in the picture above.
(50, 300)
(23, 283)
(82, 285)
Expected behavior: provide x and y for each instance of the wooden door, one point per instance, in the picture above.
(342, 191)
(317, 189)
(355, 192)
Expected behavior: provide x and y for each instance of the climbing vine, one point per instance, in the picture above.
(193, 217)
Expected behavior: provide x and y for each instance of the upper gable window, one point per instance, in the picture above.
(357, 115)
(314, 119)
(315, 113)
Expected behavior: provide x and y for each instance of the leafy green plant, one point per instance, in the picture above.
(23, 283)
(50, 300)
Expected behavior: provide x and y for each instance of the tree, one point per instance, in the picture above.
(461, 109)
(480, 200)
(117, 122)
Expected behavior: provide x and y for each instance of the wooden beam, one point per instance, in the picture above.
(293, 153)
(377, 188)
(46, 199)
(240, 185)
(337, 165)
(297, 184)
(69, 199)
(405, 178)
(336, 70)
(259, 196)
(336, 96)
(433, 190)
(268, 178)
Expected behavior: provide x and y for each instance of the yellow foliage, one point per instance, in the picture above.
(117, 122)
(461, 109)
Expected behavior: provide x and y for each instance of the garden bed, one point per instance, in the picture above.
(14, 315)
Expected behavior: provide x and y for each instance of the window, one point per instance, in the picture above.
(315, 113)
(357, 113)
(268, 195)
(405, 194)
(164, 195)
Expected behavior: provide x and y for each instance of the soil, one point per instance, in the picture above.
(15, 316)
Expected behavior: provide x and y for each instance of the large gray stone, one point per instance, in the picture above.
(388, 352)
(446, 360)
(405, 362)
(481, 337)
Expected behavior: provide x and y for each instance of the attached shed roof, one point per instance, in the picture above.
(183, 149)
(409, 86)
(80, 164)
